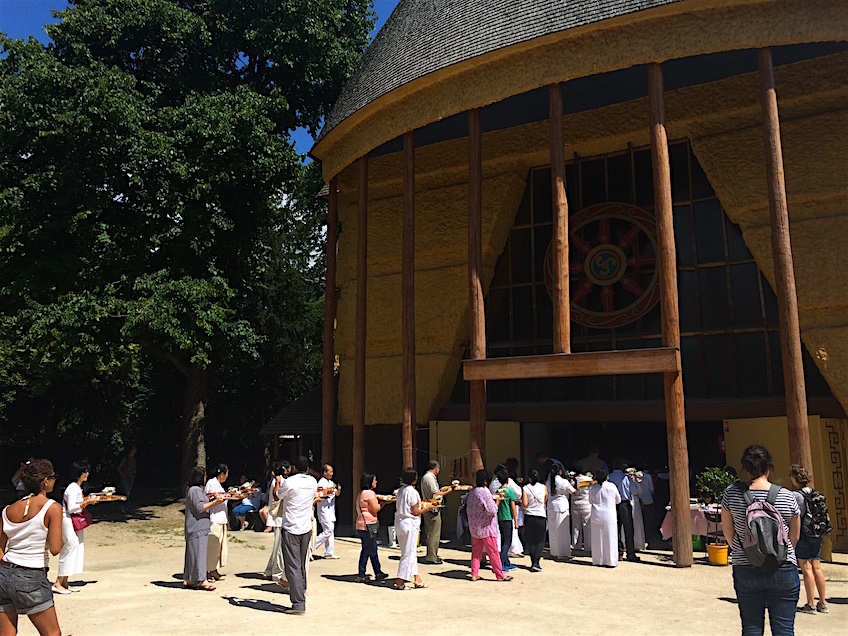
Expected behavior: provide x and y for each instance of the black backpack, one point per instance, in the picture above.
(816, 521)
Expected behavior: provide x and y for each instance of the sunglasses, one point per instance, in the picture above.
(52, 477)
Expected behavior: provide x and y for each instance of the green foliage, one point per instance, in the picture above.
(151, 203)
(712, 482)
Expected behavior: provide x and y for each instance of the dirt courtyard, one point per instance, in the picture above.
(132, 585)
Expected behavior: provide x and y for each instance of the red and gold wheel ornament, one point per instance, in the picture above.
(612, 268)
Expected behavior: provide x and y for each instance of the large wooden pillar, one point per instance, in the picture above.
(408, 293)
(562, 309)
(784, 273)
(477, 343)
(359, 351)
(328, 394)
(678, 454)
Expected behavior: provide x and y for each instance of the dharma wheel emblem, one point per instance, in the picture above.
(612, 269)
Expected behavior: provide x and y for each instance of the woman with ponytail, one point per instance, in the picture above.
(30, 527)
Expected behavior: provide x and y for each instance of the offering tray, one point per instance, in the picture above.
(386, 498)
(107, 497)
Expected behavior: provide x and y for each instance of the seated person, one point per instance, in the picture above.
(252, 503)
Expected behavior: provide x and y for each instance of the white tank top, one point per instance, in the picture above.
(535, 500)
(27, 545)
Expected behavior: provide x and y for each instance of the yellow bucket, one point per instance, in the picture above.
(717, 554)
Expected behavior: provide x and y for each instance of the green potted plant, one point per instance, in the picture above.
(711, 483)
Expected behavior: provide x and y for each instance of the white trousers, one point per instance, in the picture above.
(326, 537)
(407, 536)
(581, 529)
(73, 549)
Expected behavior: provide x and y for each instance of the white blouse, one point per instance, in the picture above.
(72, 500)
(406, 498)
(218, 512)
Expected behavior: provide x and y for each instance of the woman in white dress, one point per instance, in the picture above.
(581, 512)
(559, 530)
(275, 570)
(407, 523)
(73, 549)
(219, 521)
(604, 498)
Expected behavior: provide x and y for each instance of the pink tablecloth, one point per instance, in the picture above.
(700, 525)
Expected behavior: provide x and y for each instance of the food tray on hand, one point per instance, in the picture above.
(436, 503)
(461, 486)
(102, 496)
(386, 498)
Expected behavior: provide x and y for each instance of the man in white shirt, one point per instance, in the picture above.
(327, 512)
(299, 495)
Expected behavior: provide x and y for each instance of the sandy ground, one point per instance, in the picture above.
(132, 585)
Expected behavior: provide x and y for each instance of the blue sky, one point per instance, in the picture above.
(22, 18)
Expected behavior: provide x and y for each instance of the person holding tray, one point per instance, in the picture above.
(367, 526)
(73, 551)
(604, 498)
(483, 524)
(408, 513)
(216, 548)
(30, 527)
(559, 529)
(197, 506)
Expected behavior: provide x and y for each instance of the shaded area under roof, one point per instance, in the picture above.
(303, 416)
(424, 36)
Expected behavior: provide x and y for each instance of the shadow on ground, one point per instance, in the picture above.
(264, 606)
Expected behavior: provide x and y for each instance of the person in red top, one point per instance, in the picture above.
(367, 508)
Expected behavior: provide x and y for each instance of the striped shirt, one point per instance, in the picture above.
(734, 502)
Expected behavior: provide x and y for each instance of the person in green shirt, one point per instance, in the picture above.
(507, 518)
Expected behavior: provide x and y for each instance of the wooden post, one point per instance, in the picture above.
(328, 394)
(276, 447)
(477, 345)
(359, 351)
(784, 273)
(408, 293)
(562, 305)
(678, 453)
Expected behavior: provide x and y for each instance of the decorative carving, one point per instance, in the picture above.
(838, 514)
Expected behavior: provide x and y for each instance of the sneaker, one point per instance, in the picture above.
(363, 579)
(296, 612)
(436, 562)
(331, 556)
(821, 608)
(806, 609)
(535, 568)
(382, 576)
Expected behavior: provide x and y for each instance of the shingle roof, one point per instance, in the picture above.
(301, 417)
(423, 36)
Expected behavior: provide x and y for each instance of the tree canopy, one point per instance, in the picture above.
(153, 207)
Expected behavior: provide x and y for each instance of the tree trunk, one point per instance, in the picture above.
(194, 418)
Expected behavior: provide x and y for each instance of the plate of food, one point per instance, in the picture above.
(386, 498)
(456, 485)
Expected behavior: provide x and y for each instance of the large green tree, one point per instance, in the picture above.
(151, 201)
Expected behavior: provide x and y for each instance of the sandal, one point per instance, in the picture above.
(505, 578)
(398, 586)
(420, 586)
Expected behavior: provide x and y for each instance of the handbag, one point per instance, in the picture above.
(276, 508)
(81, 520)
(373, 529)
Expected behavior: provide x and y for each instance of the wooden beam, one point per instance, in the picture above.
(358, 443)
(408, 293)
(784, 273)
(562, 306)
(678, 453)
(477, 348)
(567, 365)
(328, 394)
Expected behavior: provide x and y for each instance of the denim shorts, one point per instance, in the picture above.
(809, 548)
(24, 590)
